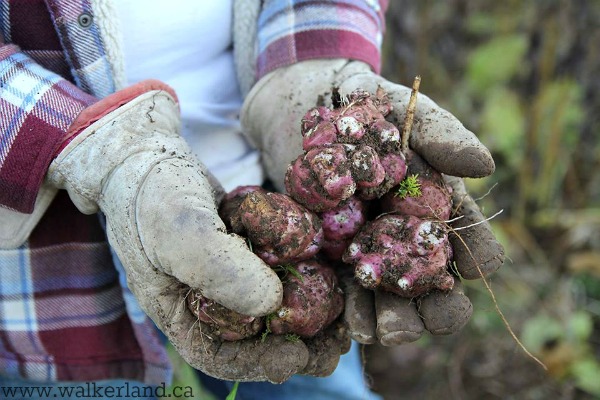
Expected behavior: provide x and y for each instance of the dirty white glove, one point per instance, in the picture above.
(271, 118)
(161, 212)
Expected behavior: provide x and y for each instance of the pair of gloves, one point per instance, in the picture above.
(161, 210)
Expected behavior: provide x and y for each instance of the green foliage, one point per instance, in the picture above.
(496, 62)
(590, 283)
(558, 115)
(575, 331)
(540, 330)
(503, 124)
(586, 373)
(283, 270)
(292, 337)
(267, 331)
(581, 326)
(409, 187)
(523, 77)
(482, 23)
(233, 393)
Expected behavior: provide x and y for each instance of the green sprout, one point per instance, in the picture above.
(286, 269)
(267, 331)
(409, 187)
(292, 337)
(233, 393)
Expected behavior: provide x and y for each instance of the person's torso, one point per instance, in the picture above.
(188, 45)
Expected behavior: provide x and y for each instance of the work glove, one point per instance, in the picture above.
(160, 205)
(271, 118)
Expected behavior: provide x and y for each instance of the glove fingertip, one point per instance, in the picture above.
(287, 359)
(398, 320)
(445, 313)
(345, 345)
(399, 337)
(363, 338)
(473, 161)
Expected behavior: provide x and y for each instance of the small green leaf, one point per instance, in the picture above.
(288, 269)
(267, 331)
(503, 124)
(539, 330)
(233, 393)
(409, 187)
(581, 325)
(586, 373)
(496, 62)
(292, 337)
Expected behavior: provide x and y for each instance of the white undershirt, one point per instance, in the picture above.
(187, 44)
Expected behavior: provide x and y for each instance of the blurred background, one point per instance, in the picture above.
(524, 76)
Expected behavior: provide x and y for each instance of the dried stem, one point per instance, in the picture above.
(410, 114)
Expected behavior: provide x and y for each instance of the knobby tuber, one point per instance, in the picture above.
(340, 225)
(286, 236)
(403, 254)
(407, 250)
(312, 300)
(280, 230)
(357, 195)
(354, 156)
(434, 199)
(348, 150)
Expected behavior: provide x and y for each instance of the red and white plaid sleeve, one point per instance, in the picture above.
(295, 30)
(37, 108)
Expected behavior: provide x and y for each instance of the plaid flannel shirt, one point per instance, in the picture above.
(65, 310)
(295, 30)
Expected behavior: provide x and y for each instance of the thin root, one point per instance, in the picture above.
(486, 193)
(454, 219)
(496, 306)
(478, 222)
(197, 323)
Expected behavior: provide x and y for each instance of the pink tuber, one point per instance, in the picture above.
(350, 149)
(402, 254)
(280, 230)
(286, 236)
(312, 300)
(340, 224)
(434, 200)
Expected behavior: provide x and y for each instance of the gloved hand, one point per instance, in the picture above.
(271, 118)
(160, 205)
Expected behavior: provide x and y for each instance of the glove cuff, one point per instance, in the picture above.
(109, 104)
(16, 227)
(37, 108)
(148, 124)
